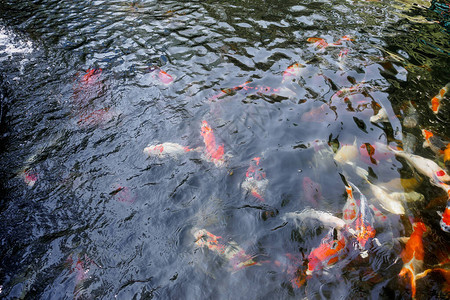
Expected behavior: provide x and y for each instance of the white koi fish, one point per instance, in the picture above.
(424, 166)
(167, 149)
(380, 117)
(325, 218)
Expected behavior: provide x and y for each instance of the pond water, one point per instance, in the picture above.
(248, 111)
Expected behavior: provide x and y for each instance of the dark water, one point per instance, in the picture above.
(103, 220)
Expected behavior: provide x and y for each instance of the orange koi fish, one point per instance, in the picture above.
(91, 75)
(255, 180)
(214, 152)
(413, 256)
(230, 91)
(161, 75)
(436, 100)
(329, 252)
(436, 144)
(230, 251)
(318, 42)
(292, 71)
(167, 149)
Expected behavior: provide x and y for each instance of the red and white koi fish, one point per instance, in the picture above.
(358, 216)
(413, 256)
(322, 44)
(424, 166)
(353, 90)
(436, 144)
(30, 177)
(167, 149)
(293, 71)
(255, 180)
(329, 252)
(229, 251)
(214, 153)
(161, 76)
(318, 42)
(436, 100)
(312, 191)
(81, 269)
(378, 215)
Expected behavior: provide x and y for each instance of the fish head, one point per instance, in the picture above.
(445, 219)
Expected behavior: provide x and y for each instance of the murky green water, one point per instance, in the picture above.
(87, 85)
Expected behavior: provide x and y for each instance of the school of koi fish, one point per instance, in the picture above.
(352, 233)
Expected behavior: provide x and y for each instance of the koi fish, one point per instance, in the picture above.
(292, 71)
(161, 75)
(214, 152)
(330, 251)
(412, 118)
(380, 117)
(374, 153)
(91, 75)
(386, 200)
(378, 215)
(325, 218)
(255, 180)
(358, 216)
(436, 144)
(436, 100)
(311, 191)
(167, 149)
(230, 91)
(356, 89)
(30, 177)
(123, 194)
(81, 269)
(230, 251)
(445, 216)
(346, 153)
(424, 166)
(413, 255)
(318, 42)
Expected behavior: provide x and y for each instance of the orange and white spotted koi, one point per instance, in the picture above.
(292, 71)
(213, 151)
(436, 144)
(436, 100)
